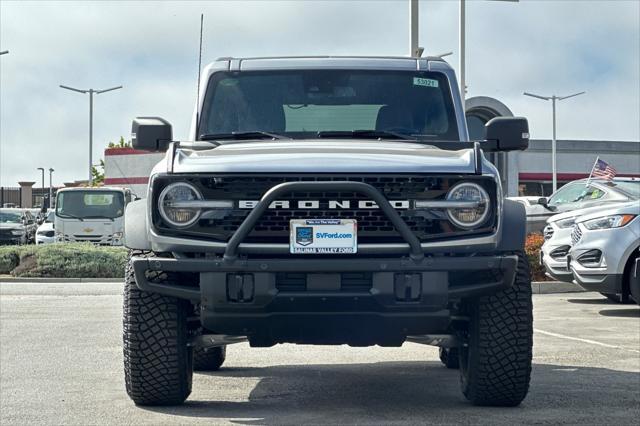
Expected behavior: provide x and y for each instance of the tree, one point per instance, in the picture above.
(98, 175)
(120, 144)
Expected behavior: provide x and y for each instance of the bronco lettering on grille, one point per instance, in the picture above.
(317, 204)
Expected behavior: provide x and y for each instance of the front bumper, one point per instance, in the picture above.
(557, 267)
(103, 240)
(43, 239)
(405, 296)
(274, 298)
(607, 276)
(12, 240)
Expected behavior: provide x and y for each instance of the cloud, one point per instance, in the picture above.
(151, 49)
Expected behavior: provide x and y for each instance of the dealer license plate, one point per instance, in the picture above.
(323, 236)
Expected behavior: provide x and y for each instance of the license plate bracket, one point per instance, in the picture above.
(323, 236)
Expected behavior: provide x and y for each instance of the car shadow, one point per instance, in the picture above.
(622, 313)
(406, 392)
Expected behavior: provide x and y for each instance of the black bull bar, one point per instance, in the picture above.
(416, 262)
(251, 220)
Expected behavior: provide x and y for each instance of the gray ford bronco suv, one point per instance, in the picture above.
(327, 201)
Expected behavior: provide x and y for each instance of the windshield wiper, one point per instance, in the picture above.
(364, 134)
(72, 216)
(241, 136)
(99, 217)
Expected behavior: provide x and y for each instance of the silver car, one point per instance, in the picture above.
(577, 195)
(557, 236)
(605, 249)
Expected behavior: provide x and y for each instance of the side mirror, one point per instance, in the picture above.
(151, 133)
(543, 201)
(506, 134)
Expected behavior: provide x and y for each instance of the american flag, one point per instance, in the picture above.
(602, 169)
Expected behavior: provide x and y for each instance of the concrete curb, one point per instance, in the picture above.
(60, 280)
(551, 287)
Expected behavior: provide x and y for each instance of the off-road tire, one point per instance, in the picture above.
(495, 365)
(209, 359)
(450, 357)
(158, 364)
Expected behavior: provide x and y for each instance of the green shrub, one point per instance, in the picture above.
(78, 260)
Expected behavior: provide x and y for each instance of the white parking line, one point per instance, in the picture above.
(592, 342)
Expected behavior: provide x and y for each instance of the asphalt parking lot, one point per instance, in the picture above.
(61, 363)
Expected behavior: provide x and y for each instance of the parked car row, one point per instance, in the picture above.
(94, 215)
(578, 195)
(598, 248)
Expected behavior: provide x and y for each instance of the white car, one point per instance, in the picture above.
(46, 234)
(557, 236)
(604, 250)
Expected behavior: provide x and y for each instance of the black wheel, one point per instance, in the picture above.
(495, 364)
(209, 359)
(449, 357)
(158, 364)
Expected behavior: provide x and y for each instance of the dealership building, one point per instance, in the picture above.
(523, 173)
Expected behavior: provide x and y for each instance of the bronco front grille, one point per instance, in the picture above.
(373, 225)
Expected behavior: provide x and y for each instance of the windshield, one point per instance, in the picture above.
(301, 103)
(50, 217)
(90, 204)
(629, 187)
(10, 217)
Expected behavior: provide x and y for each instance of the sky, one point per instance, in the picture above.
(151, 48)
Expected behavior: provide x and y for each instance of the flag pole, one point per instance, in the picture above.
(591, 174)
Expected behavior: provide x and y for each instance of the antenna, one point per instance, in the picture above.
(198, 86)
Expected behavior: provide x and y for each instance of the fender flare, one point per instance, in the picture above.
(135, 226)
(514, 226)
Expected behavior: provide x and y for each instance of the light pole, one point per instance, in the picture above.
(51, 187)
(414, 50)
(462, 48)
(90, 92)
(42, 191)
(553, 100)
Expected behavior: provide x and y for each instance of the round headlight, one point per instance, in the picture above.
(169, 204)
(468, 217)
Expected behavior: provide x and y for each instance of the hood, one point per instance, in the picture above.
(582, 212)
(324, 156)
(11, 225)
(46, 226)
(625, 208)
